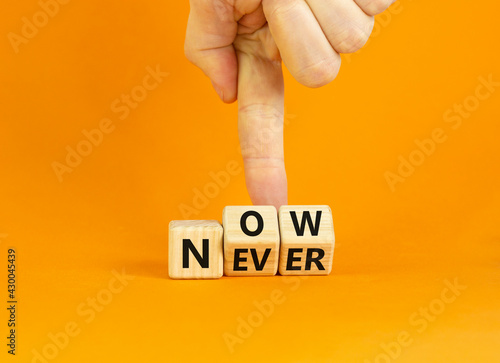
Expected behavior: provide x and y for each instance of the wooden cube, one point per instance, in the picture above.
(195, 250)
(307, 240)
(251, 240)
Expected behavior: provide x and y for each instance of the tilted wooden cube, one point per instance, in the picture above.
(307, 240)
(195, 250)
(251, 240)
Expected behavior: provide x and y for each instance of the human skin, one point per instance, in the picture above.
(241, 44)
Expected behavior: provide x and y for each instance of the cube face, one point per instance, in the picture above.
(307, 240)
(251, 240)
(195, 250)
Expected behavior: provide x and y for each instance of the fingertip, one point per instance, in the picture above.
(227, 95)
(320, 73)
(266, 183)
(230, 97)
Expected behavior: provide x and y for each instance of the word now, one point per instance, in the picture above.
(253, 241)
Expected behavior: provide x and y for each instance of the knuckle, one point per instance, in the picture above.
(260, 111)
(353, 38)
(189, 53)
(281, 10)
(374, 7)
(319, 73)
(262, 127)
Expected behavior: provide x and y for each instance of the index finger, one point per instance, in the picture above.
(260, 119)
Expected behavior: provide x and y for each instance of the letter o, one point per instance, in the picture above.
(81, 150)
(376, 28)
(243, 223)
(416, 157)
(104, 297)
(43, 16)
(139, 93)
(436, 306)
(471, 107)
(47, 353)
(211, 190)
(387, 359)
(252, 322)
(266, 136)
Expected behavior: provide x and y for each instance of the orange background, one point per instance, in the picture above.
(394, 249)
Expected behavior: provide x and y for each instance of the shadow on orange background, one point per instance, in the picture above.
(410, 220)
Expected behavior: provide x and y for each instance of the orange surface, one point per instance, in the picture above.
(395, 248)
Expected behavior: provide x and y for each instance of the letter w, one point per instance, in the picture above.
(306, 216)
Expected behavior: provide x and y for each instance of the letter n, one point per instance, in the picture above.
(187, 245)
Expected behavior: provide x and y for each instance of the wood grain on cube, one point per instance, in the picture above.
(195, 249)
(307, 240)
(251, 240)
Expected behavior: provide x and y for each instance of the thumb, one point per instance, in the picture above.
(260, 117)
(210, 33)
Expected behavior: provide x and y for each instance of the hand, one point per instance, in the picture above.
(239, 45)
